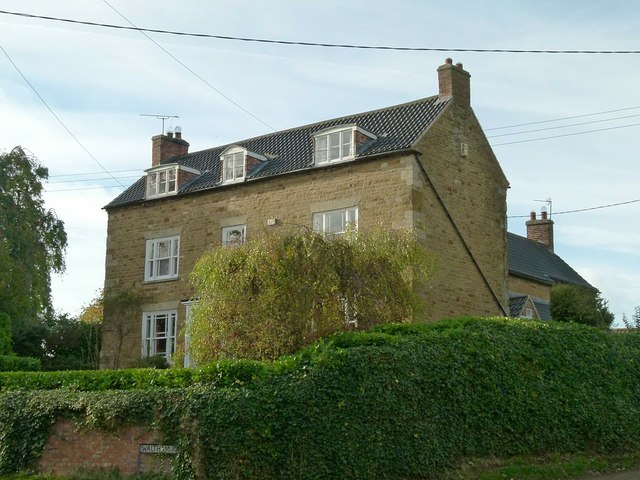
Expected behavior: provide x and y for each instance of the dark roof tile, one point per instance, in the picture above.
(397, 128)
(532, 260)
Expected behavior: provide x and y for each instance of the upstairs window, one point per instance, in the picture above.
(335, 222)
(162, 182)
(233, 166)
(338, 144)
(234, 235)
(334, 146)
(162, 258)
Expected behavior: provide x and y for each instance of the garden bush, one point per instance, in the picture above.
(13, 363)
(397, 402)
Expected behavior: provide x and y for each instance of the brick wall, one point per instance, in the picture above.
(68, 450)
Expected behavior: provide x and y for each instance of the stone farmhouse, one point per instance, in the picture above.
(424, 165)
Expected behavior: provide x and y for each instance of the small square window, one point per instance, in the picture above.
(234, 235)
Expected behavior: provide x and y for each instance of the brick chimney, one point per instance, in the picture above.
(453, 81)
(167, 146)
(541, 230)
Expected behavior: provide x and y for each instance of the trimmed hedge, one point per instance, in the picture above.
(12, 363)
(398, 402)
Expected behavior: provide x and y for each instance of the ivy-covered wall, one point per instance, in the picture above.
(398, 402)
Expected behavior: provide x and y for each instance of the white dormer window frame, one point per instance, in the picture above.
(336, 144)
(234, 163)
(162, 181)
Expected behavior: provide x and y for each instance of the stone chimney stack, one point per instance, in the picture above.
(167, 146)
(454, 82)
(541, 230)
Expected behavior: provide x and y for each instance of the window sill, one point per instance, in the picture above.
(339, 160)
(160, 280)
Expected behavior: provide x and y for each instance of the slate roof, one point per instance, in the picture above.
(544, 311)
(533, 261)
(397, 128)
(516, 304)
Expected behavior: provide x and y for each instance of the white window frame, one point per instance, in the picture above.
(322, 220)
(337, 144)
(528, 313)
(226, 231)
(188, 362)
(237, 156)
(154, 261)
(152, 338)
(334, 145)
(162, 182)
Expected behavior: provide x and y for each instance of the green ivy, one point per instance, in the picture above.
(399, 401)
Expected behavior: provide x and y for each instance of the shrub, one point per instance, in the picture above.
(12, 363)
(275, 294)
(400, 401)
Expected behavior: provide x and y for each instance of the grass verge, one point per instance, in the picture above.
(550, 467)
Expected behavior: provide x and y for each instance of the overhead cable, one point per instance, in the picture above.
(326, 45)
(203, 80)
(58, 118)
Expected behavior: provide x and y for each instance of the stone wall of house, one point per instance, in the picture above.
(529, 287)
(69, 449)
(393, 191)
(380, 188)
(471, 186)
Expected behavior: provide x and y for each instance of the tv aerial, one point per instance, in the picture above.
(159, 117)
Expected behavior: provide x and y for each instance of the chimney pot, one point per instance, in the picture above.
(167, 146)
(453, 81)
(541, 230)
(532, 215)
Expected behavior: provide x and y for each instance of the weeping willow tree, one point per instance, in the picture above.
(277, 293)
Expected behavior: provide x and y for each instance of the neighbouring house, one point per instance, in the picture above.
(424, 165)
(534, 268)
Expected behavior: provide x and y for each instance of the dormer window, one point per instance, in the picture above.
(237, 162)
(339, 143)
(162, 182)
(167, 179)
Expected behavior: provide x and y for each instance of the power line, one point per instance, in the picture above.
(563, 126)
(609, 205)
(86, 188)
(565, 135)
(142, 32)
(57, 117)
(314, 44)
(562, 118)
(80, 180)
(92, 173)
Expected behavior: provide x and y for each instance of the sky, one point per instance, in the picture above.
(98, 81)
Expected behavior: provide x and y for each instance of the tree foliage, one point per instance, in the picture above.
(272, 295)
(32, 246)
(572, 303)
(634, 323)
(71, 344)
(119, 306)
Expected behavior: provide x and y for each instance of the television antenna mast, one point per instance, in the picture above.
(159, 117)
(549, 203)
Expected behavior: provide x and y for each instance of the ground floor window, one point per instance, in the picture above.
(159, 334)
